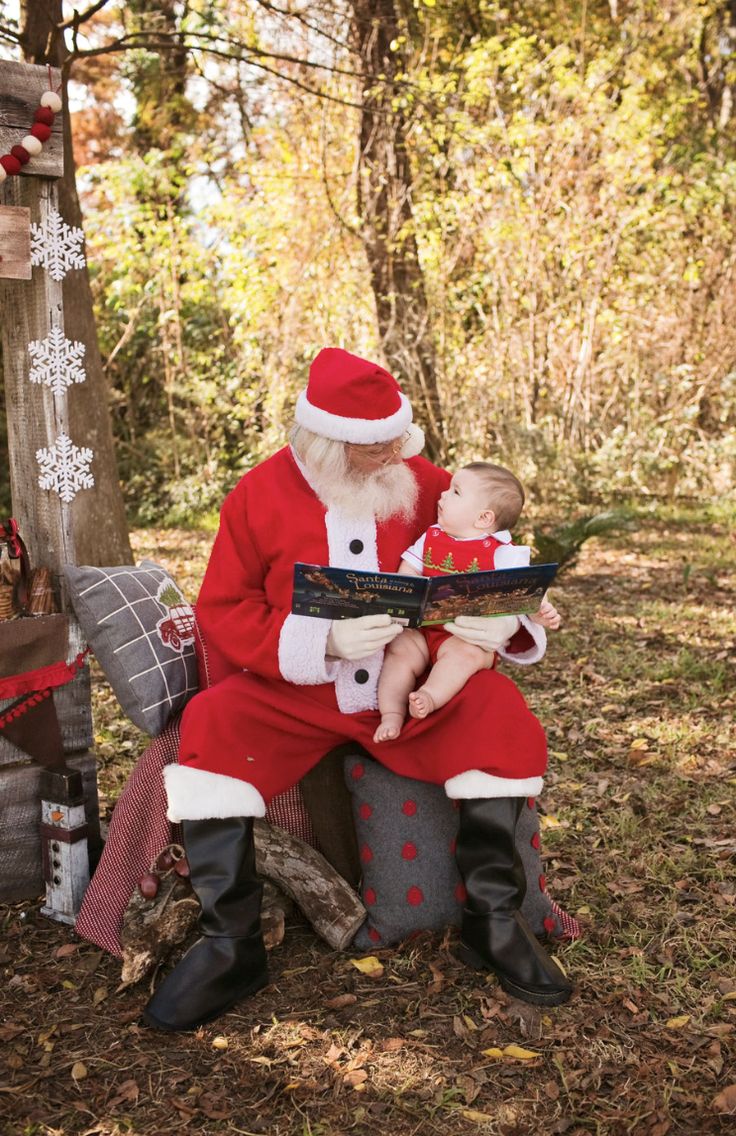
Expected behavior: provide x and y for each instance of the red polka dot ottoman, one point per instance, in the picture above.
(406, 840)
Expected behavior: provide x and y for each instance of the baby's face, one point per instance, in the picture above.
(462, 504)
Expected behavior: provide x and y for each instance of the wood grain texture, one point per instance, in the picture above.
(15, 242)
(322, 895)
(21, 88)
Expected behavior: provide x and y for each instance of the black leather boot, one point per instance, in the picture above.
(229, 960)
(494, 935)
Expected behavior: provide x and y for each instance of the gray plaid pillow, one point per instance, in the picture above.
(142, 631)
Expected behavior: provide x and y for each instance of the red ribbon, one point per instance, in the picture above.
(37, 685)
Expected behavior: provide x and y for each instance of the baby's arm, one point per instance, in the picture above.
(407, 569)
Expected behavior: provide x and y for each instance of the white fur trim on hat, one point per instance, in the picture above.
(474, 784)
(196, 794)
(360, 431)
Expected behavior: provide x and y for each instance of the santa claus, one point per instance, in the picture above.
(350, 491)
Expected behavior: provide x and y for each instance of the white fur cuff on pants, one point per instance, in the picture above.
(195, 794)
(475, 784)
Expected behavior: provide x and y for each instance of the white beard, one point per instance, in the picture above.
(389, 492)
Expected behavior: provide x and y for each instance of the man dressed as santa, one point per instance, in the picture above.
(350, 491)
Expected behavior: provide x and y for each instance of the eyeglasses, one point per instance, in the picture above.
(383, 451)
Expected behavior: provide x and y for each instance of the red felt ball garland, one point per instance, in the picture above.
(32, 144)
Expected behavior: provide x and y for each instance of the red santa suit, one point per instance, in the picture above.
(436, 553)
(280, 704)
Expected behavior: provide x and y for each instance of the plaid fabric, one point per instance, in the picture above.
(139, 831)
(142, 631)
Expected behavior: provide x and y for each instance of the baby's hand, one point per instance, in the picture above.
(548, 616)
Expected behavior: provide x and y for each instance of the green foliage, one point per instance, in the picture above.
(562, 544)
(573, 197)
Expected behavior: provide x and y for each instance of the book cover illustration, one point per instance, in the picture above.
(345, 593)
(502, 591)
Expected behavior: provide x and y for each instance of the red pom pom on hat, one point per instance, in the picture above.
(350, 399)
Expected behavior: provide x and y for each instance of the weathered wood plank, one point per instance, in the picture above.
(36, 415)
(15, 243)
(21, 88)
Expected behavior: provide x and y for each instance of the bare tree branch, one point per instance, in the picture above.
(82, 17)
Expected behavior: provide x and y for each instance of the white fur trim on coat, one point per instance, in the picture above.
(342, 531)
(196, 794)
(302, 648)
(476, 785)
(536, 652)
(361, 431)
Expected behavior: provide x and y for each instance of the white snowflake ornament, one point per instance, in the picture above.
(57, 361)
(57, 246)
(65, 468)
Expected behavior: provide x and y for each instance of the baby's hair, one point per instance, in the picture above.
(505, 492)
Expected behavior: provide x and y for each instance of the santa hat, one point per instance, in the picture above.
(353, 400)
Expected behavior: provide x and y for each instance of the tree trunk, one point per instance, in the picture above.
(101, 531)
(384, 203)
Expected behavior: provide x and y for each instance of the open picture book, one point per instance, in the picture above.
(345, 593)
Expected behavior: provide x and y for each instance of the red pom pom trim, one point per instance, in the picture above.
(43, 120)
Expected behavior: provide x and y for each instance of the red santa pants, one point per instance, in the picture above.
(270, 733)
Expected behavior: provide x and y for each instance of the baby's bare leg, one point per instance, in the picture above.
(406, 657)
(456, 662)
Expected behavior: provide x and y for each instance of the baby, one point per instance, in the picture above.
(482, 502)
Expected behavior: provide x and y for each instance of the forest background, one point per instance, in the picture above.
(527, 210)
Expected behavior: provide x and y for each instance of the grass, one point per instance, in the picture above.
(637, 695)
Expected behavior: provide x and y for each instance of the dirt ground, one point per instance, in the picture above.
(637, 695)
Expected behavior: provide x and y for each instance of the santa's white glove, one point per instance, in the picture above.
(357, 638)
(489, 633)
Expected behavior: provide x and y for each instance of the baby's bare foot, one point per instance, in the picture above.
(389, 727)
(420, 703)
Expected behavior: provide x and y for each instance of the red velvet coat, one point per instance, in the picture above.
(269, 724)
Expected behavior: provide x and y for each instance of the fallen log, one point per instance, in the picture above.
(154, 924)
(325, 899)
